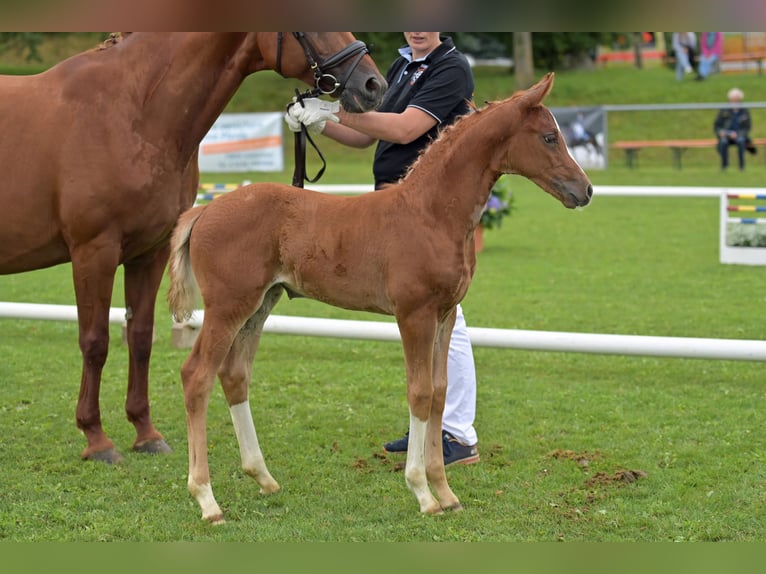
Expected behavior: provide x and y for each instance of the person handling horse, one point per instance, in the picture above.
(430, 85)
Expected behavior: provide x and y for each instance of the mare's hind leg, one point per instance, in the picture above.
(236, 375)
(142, 282)
(93, 271)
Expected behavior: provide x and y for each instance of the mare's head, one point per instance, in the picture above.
(333, 63)
(535, 147)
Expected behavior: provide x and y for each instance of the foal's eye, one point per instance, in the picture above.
(550, 138)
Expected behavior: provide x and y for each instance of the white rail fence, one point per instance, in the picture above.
(597, 343)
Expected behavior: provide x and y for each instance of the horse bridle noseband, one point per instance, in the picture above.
(324, 84)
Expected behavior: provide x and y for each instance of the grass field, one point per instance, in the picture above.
(695, 428)
(561, 435)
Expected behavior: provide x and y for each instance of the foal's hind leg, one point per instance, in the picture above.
(236, 375)
(198, 374)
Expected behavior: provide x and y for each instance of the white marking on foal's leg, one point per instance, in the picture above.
(415, 468)
(253, 462)
(204, 495)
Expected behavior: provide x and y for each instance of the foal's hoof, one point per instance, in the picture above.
(109, 456)
(215, 520)
(157, 446)
(454, 508)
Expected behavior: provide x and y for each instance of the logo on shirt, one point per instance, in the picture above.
(417, 73)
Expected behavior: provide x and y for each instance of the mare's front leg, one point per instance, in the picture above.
(93, 269)
(417, 331)
(434, 456)
(236, 377)
(142, 282)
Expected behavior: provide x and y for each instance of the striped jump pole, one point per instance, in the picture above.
(210, 191)
(746, 195)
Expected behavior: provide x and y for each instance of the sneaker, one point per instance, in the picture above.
(453, 450)
(456, 452)
(398, 445)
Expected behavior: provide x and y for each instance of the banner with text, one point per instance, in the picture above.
(243, 142)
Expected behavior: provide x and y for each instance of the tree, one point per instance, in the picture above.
(523, 60)
(24, 43)
(557, 50)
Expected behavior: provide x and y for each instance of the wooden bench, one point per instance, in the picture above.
(677, 147)
(756, 56)
(629, 56)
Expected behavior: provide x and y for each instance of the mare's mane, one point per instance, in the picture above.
(113, 39)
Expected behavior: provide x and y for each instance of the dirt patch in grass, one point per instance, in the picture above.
(583, 459)
(576, 504)
(620, 477)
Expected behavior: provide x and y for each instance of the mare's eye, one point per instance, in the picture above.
(549, 138)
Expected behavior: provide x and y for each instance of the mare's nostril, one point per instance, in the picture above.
(375, 88)
(589, 191)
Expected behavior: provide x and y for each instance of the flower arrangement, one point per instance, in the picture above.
(499, 204)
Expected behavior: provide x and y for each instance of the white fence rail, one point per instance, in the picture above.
(596, 343)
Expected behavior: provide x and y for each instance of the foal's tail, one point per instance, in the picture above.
(184, 291)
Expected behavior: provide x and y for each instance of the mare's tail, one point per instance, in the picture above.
(184, 291)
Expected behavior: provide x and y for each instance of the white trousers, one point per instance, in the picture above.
(460, 406)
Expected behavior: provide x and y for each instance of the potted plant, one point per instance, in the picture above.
(499, 205)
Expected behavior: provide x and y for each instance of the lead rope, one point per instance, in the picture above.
(299, 146)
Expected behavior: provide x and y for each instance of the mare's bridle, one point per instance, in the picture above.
(325, 83)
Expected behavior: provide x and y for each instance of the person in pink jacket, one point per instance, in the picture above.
(711, 44)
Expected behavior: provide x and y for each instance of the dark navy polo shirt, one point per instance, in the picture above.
(439, 85)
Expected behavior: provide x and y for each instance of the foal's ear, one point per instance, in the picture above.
(535, 95)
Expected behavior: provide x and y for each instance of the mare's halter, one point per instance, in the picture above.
(324, 83)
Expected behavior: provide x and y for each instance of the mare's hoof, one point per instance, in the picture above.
(157, 446)
(454, 508)
(109, 456)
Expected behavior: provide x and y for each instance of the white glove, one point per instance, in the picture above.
(292, 123)
(312, 113)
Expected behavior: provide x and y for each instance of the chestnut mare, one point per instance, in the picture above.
(406, 251)
(100, 158)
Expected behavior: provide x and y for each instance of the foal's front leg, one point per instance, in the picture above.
(417, 341)
(435, 456)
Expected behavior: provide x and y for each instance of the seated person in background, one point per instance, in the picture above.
(732, 127)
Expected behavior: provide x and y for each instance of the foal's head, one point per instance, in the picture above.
(532, 145)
